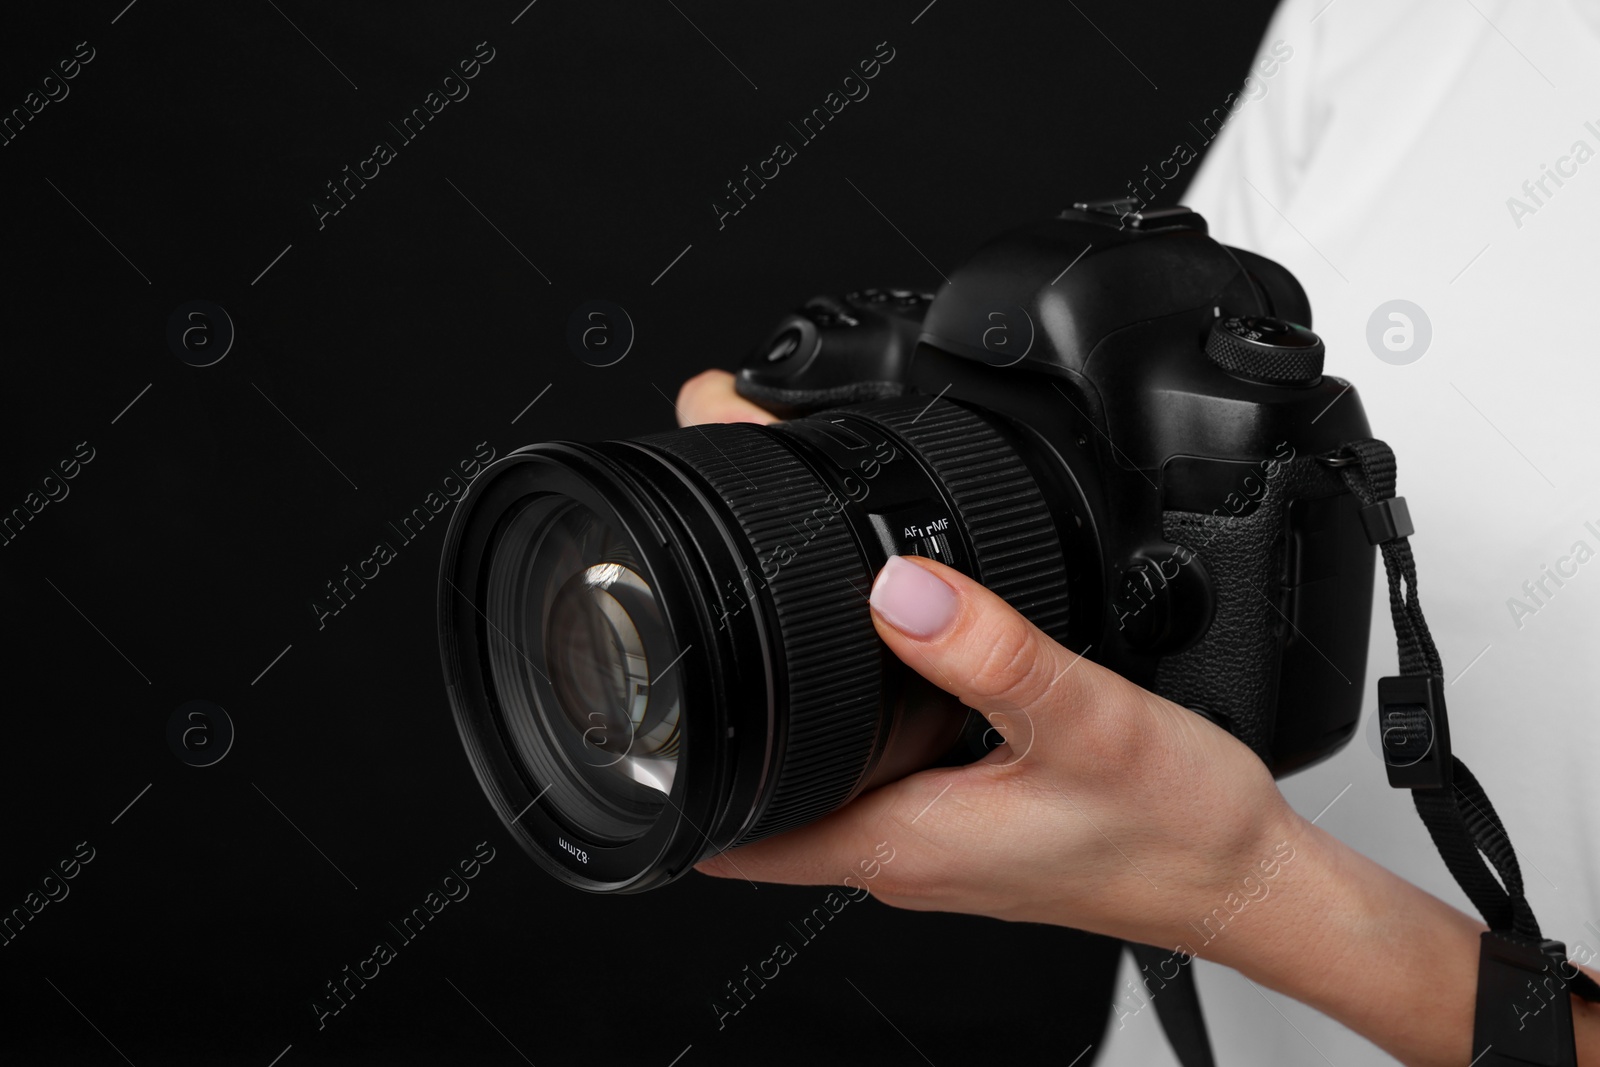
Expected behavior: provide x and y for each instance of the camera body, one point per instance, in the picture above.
(1165, 392)
(660, 648)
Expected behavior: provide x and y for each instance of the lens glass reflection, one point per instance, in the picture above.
(583, 667)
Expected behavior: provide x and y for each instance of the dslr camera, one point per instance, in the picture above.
(660, 648)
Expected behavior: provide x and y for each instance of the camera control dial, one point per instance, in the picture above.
(1261, 348)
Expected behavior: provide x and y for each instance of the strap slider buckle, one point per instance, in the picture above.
(1387, 520)
(1415, 733)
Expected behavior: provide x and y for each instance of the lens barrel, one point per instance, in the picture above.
(661, 648)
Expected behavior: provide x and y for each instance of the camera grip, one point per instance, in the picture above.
(1292, 580)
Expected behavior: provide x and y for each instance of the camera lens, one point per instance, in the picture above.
(581, 634)
(661, 648)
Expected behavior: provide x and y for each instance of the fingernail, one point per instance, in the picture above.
(912, 600)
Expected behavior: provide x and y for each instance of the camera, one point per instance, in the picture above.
(661, 648)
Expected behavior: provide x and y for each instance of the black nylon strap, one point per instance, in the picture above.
(1178, 1007)
(1371, 478)
(1462, 822)
(1464, 825)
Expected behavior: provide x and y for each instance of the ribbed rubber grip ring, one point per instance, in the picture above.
(1281, 366)
(1016, 542)
(832, 679)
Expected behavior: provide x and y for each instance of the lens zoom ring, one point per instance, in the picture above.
(999, 503)
(832, 654)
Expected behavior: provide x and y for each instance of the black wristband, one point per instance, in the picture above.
(1524, 1012)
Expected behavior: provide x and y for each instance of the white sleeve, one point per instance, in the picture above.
(1269, 142)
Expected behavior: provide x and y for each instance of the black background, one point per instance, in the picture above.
(375, 354)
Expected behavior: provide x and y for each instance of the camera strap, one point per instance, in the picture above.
(1178, 1007)
(1523, 1016)
(1524, 1013)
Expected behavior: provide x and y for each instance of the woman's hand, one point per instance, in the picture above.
(1108, 808)
(1114, 810)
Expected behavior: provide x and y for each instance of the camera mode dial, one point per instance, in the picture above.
(1260, 348)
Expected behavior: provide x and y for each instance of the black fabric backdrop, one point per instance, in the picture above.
(372, 349)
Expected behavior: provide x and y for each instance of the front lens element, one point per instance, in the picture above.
(580, 657)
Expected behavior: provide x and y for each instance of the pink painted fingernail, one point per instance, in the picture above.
(912, 600)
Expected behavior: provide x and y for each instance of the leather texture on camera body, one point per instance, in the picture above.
(1232, 671)
(779, 399)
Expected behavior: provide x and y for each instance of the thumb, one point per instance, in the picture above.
(970, 643)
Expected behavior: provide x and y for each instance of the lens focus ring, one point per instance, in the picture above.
(1014, 539)
(832, 659)
(830, 684)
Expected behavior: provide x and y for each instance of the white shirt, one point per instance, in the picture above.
(1385, 159)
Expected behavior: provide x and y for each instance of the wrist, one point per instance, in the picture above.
(1358, 943)
(1224, 914)
(1362, 945)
